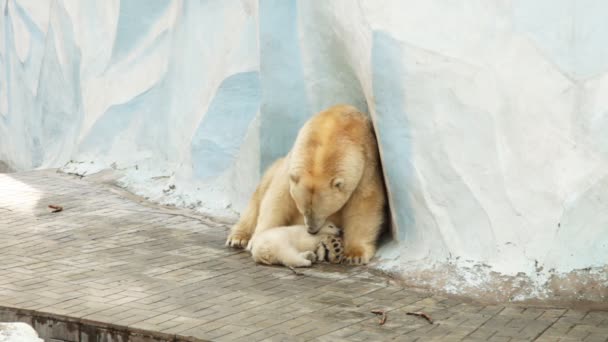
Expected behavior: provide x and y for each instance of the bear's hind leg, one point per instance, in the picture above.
(333, 249)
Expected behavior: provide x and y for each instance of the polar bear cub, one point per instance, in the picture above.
(292, 246)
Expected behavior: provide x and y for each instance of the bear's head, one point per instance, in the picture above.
(321, 191)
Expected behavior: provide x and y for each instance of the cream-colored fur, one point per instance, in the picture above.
(332, 173)
(291, 246)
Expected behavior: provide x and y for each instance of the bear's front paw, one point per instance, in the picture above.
(357, 255)
(238, 240)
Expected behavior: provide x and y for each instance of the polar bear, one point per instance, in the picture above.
(292, 246)
(332, 173)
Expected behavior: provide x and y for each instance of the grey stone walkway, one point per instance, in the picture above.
(110, 259)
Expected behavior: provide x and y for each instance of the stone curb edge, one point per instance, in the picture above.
(52, 326)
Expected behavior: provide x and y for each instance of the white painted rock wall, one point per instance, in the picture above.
(491, 116)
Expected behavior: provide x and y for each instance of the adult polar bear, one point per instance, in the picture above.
(332, 173)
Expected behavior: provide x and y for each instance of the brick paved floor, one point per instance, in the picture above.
(111, 259)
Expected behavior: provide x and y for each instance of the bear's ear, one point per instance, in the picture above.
(338, 183)
(294, 178)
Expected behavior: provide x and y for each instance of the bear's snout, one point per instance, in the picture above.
(314, 224)
(312, 231)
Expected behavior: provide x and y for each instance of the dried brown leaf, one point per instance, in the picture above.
(380, 312)
(55, 208)
(423, 315)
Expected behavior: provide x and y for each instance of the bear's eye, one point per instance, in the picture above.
(338, 183)
(294, 178)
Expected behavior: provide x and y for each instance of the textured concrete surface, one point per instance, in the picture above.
(109, 258)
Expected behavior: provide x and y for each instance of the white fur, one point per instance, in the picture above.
(291, 246)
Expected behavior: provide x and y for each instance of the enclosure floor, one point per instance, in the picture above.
(110, 258)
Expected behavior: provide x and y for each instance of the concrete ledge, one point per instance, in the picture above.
(55, 328)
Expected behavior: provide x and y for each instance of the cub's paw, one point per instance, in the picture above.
(333, 249)
(309, 256)
(238, 240)
(356, 255)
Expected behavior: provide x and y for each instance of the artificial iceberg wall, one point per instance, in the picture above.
(491, 117)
